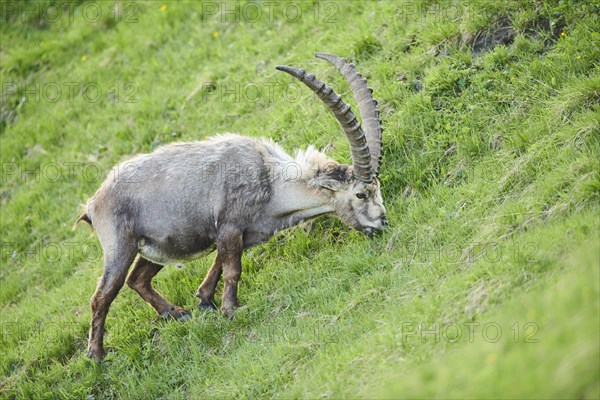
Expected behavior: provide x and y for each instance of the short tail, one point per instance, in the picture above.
(85, 218)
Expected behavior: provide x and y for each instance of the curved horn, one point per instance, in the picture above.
(366, 103)
(361, 158)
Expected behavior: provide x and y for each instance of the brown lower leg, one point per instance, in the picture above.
(140, 280)
(231, 276)
(113, 278)
(206, 291)
(230, 247)
(100, 304)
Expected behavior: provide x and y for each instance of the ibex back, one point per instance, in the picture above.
(229, 193)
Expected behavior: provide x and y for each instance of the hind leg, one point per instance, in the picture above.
(117, 259)
(140, 280)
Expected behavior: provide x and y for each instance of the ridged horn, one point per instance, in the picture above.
(361, 158)
(367, 105)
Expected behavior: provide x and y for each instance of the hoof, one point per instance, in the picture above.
(96, 354)
(229, 312)
(177, 313)
(207, 306)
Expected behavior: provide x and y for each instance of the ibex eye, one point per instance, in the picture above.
(361, 196)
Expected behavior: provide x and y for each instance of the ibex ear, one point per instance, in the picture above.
(334, 177)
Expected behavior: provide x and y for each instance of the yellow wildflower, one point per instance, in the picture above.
(84, 57)
(216, 35)
(163, 8)
(562, 34)
(578, 58)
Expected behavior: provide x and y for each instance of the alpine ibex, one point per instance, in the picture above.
(229, 193)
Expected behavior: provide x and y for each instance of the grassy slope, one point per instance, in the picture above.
(490, 176)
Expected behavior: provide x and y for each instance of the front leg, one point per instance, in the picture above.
(230, 246)
(206, 291)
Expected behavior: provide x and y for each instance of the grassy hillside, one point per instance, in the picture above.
(485, 285)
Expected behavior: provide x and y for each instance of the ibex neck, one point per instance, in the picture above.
(292, 199)
(293, 202)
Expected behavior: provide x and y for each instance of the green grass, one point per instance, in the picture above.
(485, 285)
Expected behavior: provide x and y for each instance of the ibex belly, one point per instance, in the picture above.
(168, 252)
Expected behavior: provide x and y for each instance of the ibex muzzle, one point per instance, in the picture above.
(229, 192)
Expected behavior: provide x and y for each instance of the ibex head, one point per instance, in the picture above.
(354, 190)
